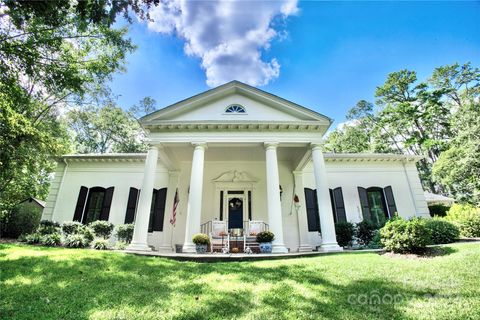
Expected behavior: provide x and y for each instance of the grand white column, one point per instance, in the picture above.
(140, 232)
(303, 238)
(327, 224)
(168, 229)
(274, 206)
(194, 209)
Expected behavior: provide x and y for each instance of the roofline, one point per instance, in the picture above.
(376, 156)
(220, 87)
(327, 155)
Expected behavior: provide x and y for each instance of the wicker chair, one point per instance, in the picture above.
(250, 236)
(219, 237)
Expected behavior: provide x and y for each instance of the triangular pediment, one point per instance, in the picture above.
(213, 105)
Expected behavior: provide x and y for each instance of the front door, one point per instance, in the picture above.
(235, 213)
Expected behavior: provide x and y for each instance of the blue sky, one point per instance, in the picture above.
(322, 55)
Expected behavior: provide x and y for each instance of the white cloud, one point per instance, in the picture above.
(228, 36)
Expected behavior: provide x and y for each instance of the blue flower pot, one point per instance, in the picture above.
(201, 248)
(266, 247)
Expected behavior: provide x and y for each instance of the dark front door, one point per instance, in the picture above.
(235, 213)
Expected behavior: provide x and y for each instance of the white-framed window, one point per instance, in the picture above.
(235, 108)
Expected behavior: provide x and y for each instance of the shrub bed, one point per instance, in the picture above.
(405, 236)
(100, 244)
(51, 240)
(71, 227)
(75, 241)
(365, 231)
(102, 228)
(442, 231)
(124, 232)
(467, 218)
(345, 232)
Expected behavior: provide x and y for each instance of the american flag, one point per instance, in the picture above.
(173, 219)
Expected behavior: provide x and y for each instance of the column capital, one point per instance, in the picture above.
(297, 173)
(317, 146)
(200, 144)
(270, 145)
(156, 146)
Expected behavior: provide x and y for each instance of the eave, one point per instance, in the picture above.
(162, 126)
(370, 157)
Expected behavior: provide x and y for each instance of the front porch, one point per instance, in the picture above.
(261, 187)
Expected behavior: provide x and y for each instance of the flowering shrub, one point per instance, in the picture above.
(265, 236)
(201, 238)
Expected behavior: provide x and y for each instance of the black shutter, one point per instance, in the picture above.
(131, 205)
(250, 205)
(392, 208)
(221, 205)
(334, 209)
(159, 210)
(107, 202)
(82, 196)
(339, 205)
(362, 193)
(311, 205)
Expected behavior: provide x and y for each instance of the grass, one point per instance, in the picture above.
(57, 283)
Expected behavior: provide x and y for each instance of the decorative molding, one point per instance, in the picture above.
(235, 176)
(168, 126)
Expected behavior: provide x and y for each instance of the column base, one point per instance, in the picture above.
(189, 248)
(305, 248)
(279, 248)
(330, 247)
(138, 247)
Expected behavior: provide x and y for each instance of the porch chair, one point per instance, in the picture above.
(250, 236)
(219, 237)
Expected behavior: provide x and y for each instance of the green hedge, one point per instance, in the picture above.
(345, 232)
(442, 231)
(467, 218)
(405, 236)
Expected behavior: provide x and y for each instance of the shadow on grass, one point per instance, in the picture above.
(429, 252)
(75, 287)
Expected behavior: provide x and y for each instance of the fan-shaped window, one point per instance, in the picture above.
(235, 108)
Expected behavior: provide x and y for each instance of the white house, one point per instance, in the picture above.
(235, 153)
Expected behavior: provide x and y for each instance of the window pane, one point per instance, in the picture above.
(95, 202)
(377, 208)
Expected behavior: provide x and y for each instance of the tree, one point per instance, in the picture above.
(105, 129)
(458, 168)
(52, 55)
(355, 135)
(414, 119)
(145, 106)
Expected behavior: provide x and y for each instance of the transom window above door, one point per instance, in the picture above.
(235, 108)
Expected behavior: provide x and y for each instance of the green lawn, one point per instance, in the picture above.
(56, 283)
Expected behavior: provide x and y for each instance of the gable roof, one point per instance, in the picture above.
(231, 88)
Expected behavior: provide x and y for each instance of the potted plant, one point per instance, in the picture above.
(201, 241)
(265, 239)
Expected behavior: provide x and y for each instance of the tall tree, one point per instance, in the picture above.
(355, 135)
(414, 119)
(105, 129)
(52, 54)
(458, 168)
